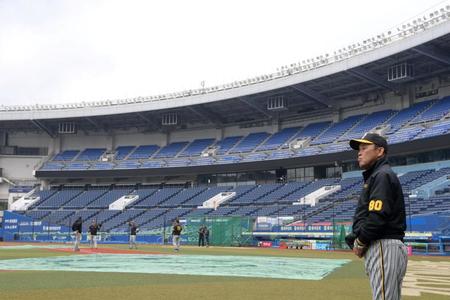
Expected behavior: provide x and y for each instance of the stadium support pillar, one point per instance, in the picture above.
(55, 146)
(44, 184)
(410, 97)
(276, 126)
(220, 134)
(110, 142)
(167, 138)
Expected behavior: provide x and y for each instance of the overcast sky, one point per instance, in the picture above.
(70, 51)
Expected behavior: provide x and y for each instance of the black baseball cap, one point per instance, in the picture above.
(370, 139)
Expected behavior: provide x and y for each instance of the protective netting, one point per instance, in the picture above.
(223, 231)
(340, 230)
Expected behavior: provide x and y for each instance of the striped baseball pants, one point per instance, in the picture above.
(385, 263)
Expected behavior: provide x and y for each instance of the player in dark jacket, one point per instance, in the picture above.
(379, 222)
(206, 232)
(133, 232)
(201, 236)
(93, 230)
(176, 234)
(77, 229)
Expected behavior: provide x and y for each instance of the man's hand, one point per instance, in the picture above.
(359, 248)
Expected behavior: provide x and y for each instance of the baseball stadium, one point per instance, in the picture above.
(258, 172)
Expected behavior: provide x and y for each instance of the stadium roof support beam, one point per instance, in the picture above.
(255, 107)
(359, 92)
(150, 122)
(312, 94)
(205, 115)
(373, 78)
(42, 127)
(433, 53)
(95, 124)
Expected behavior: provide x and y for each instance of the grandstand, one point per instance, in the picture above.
(237, 150)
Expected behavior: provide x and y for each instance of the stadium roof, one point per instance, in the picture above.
(316, 85)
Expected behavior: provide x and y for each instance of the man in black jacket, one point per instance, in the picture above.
(176, 234)
(201, 236)
(77, 229)
(379, 222)
(133, 232)
(93, 230)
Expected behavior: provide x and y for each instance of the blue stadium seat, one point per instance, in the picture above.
(250, 142)
(66, 155)
(196, 147)
(278, 139)
(123, 151)
(91, 154)
(143, 152)
(171, 150)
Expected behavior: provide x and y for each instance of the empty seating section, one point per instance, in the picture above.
(182, 196)
(203, 161)
(171, 150)
(406, 115)
(84, 198)
(309, 151)
(439, 128)
(150, 215)
(335, 147)
(437, 111)
(52, 166)
(414, 179)
(350, 188)
(59, 199)
(286, 192)
(144, 192)
(165, 219)
(279, 154)
(91, 154)
(278, 139)
(178, 162)
(76, 165)
(421, 120)
(67, 155)
(229, 159)
(158, 207)
(143, 152)
(106, 199)
(255, 157)
(153, 164)
(250, 142)
(405, 134)
(123, 151)
(102, 165)
(206, 194)
(227, 143)
(59, 217)
(307, 188)
(127, 164)
(311, 131)
(336, 130)
(252, 196)
(367, 124)
(121, 218)
(196, 147)
(156, 198)
(43, 196)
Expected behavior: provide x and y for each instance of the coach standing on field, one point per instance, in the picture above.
(379, 222)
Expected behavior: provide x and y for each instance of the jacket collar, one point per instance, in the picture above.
(377, 165)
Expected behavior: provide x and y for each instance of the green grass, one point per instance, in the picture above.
(347, 282)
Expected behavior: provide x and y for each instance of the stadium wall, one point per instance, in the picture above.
(29, 139)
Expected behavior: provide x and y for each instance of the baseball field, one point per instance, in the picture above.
(39, 271)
